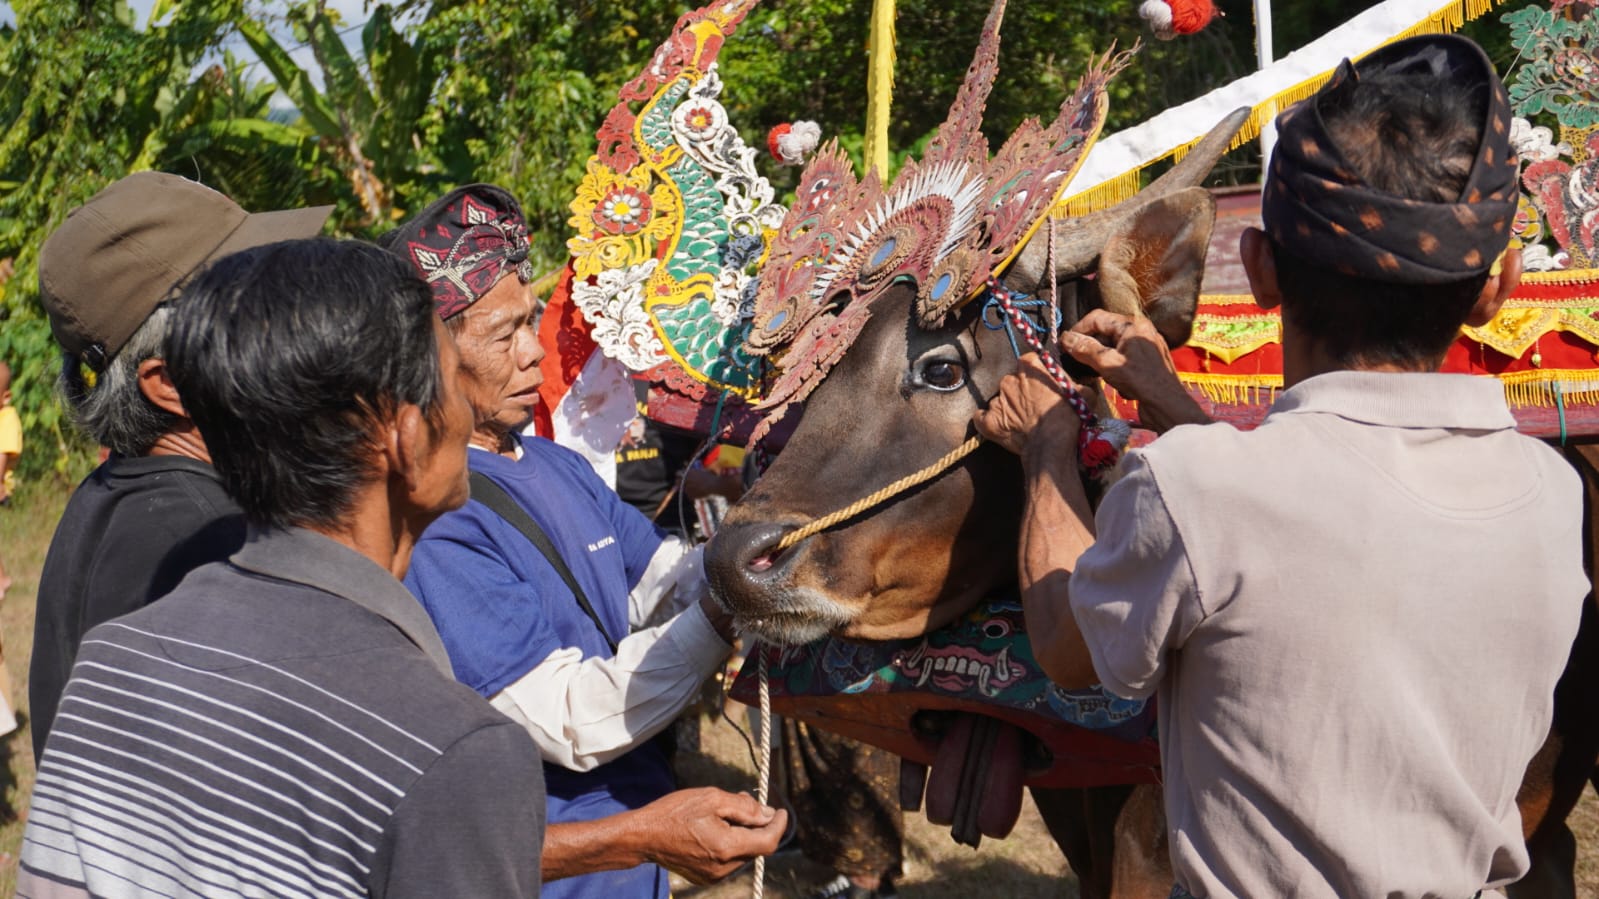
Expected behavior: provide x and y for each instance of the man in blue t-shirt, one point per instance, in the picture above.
(581, 670)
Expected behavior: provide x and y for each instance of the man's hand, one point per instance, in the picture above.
(706, 834)
(1132, 357)
(1029, 408)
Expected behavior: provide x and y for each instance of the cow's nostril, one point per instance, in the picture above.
(743, 555)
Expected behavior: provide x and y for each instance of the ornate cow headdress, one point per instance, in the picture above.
(946, 223)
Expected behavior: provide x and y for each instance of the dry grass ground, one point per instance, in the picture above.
(25, 529)
(1025, 866)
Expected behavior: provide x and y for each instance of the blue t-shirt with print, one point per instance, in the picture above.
(501, 609)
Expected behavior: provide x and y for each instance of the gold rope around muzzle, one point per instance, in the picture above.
(892, 490)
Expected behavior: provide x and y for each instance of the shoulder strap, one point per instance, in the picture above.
(494, 496)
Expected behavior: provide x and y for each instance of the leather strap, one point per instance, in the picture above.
(500, 503)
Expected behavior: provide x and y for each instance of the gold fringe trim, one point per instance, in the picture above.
(1562, 278)
(1235, 390)
(1105, 195)
(1539, 387)
(1122, 187)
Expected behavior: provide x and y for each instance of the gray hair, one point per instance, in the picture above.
(114, 411)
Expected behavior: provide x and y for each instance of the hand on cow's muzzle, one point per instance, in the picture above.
(1030, 410)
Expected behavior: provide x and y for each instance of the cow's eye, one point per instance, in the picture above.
(943, 374)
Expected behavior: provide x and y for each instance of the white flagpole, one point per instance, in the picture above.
(1264, 56)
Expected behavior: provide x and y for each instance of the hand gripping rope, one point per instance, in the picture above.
(1099, 443)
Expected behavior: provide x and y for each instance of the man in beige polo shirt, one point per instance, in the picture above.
(1354, 615)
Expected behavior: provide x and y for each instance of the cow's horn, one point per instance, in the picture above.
(1200, 160)
(1078, 241)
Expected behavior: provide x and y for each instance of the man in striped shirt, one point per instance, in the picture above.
(285, 723)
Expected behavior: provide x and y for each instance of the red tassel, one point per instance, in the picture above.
(773, 135)
(1190, 16)
(1096, 454)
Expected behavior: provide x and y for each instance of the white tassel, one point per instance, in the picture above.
(1158, 14)
(801, 139)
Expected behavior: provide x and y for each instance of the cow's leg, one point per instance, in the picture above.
(1113, 837)
(1142, 856)
(1067, 816)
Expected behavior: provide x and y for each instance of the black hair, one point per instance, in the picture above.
(287, 357)
(1408, 135)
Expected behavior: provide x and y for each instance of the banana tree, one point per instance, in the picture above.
(116, 96)
(366, 111)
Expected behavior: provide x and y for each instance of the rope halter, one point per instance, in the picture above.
(1099, 442)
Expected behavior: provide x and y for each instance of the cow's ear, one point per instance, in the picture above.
(1153, 263)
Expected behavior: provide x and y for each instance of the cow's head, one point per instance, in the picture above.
(903, 395)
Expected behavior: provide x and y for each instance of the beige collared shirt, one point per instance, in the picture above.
(1354, 617)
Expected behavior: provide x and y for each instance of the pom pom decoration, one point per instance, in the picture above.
(791, 143)
(1169, 18)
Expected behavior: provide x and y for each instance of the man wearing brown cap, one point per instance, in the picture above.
(156, 509)
(1354, 615)
(543, 588)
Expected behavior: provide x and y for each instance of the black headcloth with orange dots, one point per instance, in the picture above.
(1317, 207)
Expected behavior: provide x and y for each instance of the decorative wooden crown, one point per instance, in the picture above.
(946, 222)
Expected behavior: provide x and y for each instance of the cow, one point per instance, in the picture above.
(903, 396)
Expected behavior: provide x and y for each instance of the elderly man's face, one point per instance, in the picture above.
(500, 356)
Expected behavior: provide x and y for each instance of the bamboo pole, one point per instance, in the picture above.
(879, 85)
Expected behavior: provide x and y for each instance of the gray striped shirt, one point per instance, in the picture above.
(280, 725)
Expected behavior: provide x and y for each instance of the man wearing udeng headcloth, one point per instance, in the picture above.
(1355, 614)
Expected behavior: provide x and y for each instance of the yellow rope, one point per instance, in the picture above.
(899, 486)
(763, 765)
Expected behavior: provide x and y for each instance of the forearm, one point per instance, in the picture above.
(613, 843)
(1056, 530)
(583, 713)
(673, 580)
(1170, 406)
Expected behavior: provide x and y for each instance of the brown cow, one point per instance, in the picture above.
(902, 397)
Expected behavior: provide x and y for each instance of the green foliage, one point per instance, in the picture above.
(525, 86)
(111, 99)
(367, 115)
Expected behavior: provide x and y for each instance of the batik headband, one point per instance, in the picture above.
(464, 243)
(1318, 209)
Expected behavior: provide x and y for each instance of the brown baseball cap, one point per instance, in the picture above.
(120, 255)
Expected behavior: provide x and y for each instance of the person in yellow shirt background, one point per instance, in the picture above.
(10, 438)
(10, 450)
